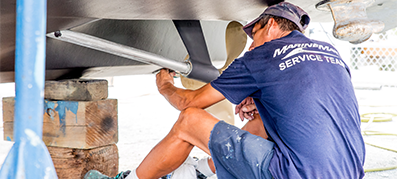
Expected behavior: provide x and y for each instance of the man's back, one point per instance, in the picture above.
(303, 92)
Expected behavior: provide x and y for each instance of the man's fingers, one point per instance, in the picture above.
(248, 108)
(239, 106)
(173, 73)
(248, 116)
(241, 115)
(237, 109)
(165, 71)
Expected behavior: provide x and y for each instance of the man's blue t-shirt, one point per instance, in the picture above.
(303, 92)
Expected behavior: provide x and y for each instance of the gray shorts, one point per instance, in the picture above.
(238, 154)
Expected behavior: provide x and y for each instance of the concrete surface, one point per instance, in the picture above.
(145, 117)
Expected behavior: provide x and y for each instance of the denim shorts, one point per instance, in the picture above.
(238, 154)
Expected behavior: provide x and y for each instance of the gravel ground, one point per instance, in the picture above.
(145, 117)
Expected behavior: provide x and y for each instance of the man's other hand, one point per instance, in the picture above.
(246, 109)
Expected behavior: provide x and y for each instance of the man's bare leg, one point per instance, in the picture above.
(193, 128)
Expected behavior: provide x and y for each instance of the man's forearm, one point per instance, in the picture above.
(175, 96)
(184, 98)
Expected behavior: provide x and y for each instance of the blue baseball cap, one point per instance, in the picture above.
(285, 10)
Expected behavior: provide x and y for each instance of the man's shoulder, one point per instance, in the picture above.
(322, 43)
(299, 43)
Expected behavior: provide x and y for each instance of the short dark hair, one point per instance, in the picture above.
(284, 24)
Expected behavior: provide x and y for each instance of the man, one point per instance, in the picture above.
(303, 93)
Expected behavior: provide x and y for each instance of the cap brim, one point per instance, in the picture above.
(248, 28)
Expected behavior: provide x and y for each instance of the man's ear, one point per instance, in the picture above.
(272, 25)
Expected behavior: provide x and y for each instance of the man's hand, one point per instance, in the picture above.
(164, 77)
(182, 99)
(246, 109)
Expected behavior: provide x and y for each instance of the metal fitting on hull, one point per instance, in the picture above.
(351, 21)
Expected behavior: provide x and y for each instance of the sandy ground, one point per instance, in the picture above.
(145, 117)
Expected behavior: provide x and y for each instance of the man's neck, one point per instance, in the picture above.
(281, 34)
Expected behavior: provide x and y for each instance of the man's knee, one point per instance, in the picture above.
(186, 121)
(189, 116)
(193, 119)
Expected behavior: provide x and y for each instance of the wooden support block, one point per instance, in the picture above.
(74, 124)
(75, 163)
(76, 90)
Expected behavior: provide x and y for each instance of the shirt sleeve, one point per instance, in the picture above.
(236, 82)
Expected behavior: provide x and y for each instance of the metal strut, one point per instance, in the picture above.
(120, 50)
